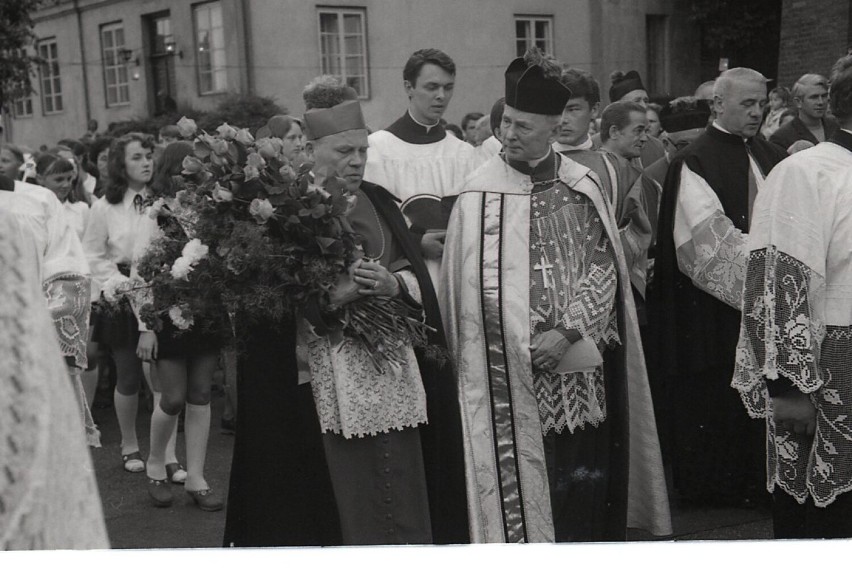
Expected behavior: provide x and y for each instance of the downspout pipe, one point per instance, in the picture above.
(86, 100)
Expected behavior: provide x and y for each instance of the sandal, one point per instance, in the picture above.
(133, 462)
(160, 492)
(175, 473)
(206, 500)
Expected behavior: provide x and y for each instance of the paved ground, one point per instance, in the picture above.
(133, 523)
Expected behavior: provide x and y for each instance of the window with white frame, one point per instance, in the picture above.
(23, 107)
(343, 46)
(210, 48)
(116, 82)
(533, 31)
(51, 84)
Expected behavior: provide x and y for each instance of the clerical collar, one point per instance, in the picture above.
(585, 145)
(409, 130)
(542, 170)
(720, 133)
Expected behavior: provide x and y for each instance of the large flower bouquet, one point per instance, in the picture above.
(246, 233)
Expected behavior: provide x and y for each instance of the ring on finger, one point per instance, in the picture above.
(375, 284)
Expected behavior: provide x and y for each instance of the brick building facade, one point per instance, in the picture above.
(814, 33)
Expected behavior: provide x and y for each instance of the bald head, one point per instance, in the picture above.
(739, 96)
(705, 91)
(734, 79)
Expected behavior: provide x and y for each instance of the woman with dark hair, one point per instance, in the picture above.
(184, 365)
(168, 166)
(99, 156)
(115, 223)
(289, 130)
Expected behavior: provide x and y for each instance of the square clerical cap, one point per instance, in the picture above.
(321, 122)
(685, 113)
(529, 90)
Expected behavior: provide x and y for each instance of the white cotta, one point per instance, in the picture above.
(48, 492)
(797, 318)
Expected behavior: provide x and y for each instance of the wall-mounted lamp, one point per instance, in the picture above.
(172, 49)
(127, 56)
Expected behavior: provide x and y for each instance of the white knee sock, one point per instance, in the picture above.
(171, 457)
(196, 430)
(126, 407)
(162, 425)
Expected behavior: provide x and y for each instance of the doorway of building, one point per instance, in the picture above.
(162, 63)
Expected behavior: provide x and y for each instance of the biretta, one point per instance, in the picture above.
(321, 122)
(685, 113)
(529, 90)
(630, 82)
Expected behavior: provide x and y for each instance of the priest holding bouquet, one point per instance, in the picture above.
(381, 435)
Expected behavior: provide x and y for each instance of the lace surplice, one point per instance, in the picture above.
(784, 337)
(710, 249)
(573, 284)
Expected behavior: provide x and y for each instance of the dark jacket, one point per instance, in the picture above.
(796, 130)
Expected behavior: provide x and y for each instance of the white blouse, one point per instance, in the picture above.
(78, 216)
(110, 237)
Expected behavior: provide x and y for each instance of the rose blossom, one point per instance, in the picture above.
(181, 322)
(261, 210)
(227, 131)
(269, 147)
(191, 165)
(244, 137)
(222, 195)
(187, 127)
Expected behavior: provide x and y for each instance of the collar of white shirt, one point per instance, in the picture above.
(130, 194)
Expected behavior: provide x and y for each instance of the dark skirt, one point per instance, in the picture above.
(116, 326)
(172, 344)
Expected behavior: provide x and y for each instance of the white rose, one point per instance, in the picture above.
(181, 269)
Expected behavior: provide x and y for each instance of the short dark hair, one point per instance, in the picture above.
(97, 146)
(497, 114)
(470, 117)
(423, 56)
(582, 85)
(840, 93)
(618, 115)
(76, 147)
(117, 182)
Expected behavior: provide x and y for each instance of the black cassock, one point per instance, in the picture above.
(715, 450)
(280, 491)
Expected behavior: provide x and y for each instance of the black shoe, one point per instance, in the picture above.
(160, 492)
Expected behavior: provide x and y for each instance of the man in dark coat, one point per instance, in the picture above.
(696, 298)
(811, 124)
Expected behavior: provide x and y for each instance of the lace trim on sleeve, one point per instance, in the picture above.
(68, 302)
(715, 259)
(782, 327)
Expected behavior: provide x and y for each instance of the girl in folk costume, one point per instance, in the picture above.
(184, 365)
(114, 225)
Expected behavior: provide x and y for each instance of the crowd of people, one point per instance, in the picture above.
(621, 289)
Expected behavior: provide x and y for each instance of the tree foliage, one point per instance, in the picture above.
(17, 61)
(735, 26)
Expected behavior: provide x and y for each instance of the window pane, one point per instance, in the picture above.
(107, 38)
(522, 29)
(351, 23)
(328, 23)
(541, 29)
(216, 16)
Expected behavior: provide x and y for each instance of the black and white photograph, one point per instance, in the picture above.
(407, 280)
